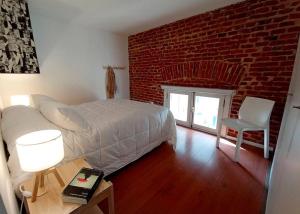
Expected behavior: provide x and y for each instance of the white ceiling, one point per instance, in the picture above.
(125, 16)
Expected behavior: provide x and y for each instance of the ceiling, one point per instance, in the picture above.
(125, 16)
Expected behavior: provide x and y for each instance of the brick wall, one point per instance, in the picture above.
(249, 47)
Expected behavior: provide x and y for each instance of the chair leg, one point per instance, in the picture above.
(238, 145)
(219, 135)
(266, 143)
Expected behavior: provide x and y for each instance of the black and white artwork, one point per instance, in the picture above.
(17, 49)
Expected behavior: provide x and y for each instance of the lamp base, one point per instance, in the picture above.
(39, 182)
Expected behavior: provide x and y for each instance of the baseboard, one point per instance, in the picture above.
(251, 143)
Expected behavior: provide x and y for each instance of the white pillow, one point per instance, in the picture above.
(63, 115)
(38, 98)
(20, 120)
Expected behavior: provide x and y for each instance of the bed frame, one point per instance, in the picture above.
(6, 189)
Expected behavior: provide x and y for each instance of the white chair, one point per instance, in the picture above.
(254, 115)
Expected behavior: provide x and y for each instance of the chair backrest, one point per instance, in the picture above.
(256, 111)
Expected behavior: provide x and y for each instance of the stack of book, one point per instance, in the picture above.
(82, 187)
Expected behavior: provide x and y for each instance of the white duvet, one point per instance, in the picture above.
(120, 132)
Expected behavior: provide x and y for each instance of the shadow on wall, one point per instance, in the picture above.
(2, 208)
(37, 8)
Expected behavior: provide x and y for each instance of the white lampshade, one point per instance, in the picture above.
(40, 150)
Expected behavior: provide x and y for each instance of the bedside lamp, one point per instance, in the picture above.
(39, 152)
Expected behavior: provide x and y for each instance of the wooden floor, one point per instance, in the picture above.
(196, 178)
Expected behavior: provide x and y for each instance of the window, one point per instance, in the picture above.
(198, 108)
(179, 104)
(206, 111)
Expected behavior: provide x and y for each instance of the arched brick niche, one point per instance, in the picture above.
(203, 73)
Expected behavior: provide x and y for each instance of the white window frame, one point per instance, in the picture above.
(190, 104)
(220, 112)
(224, 94)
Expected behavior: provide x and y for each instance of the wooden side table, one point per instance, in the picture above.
(51, 202)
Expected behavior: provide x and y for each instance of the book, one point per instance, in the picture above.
(82, 187)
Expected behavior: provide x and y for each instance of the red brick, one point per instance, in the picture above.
(253, 53)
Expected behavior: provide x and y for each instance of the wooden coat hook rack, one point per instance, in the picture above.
(114, 67)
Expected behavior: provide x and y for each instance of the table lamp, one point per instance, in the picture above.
(39, 152)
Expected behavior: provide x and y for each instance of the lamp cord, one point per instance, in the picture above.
(21, 207)
(26, 194)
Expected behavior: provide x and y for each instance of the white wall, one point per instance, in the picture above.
(71, 58)
(284, 187)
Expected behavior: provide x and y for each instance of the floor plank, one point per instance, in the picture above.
(196, 178)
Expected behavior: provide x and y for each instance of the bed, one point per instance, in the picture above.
(109, 133)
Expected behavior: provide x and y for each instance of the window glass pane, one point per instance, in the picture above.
(179, 106)
(206, 111)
